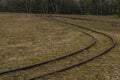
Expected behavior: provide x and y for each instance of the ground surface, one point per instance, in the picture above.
(28, 39)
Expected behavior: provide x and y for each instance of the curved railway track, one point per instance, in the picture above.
(85, 19)
(112, 45)
(68, 55)
(93, 41)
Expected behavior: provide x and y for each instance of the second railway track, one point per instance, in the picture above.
(112, 45)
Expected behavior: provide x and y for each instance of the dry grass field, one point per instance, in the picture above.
(29, 39)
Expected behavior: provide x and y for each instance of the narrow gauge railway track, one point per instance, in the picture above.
(86, 19)
(112, 45)
(93, 41)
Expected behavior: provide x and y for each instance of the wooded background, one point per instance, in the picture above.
(83, 7)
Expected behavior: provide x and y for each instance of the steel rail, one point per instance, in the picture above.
(113, 43)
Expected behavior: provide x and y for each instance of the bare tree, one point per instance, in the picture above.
(101, 4)
(28, 6)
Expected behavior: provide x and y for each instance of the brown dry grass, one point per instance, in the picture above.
(28, 39)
